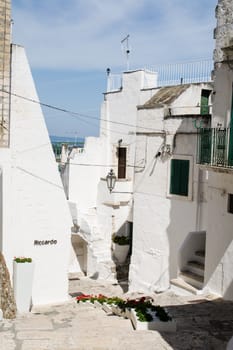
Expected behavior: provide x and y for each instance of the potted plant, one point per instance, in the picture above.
(121, 246)
(142, 313)
(23, 269)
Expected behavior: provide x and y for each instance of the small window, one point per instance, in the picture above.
(179, 180)
(205, 94)
(230, 203)
(121, 162)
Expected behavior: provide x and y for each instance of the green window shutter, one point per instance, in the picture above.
(205, 102)
(179, 177)
(205, 145)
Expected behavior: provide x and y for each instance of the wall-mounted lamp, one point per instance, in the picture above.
(111, 180)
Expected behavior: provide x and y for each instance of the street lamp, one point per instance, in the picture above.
(111, 180)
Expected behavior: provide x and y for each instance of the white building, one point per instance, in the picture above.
(216, 158)
(137, 143)
(174, 179)
(189, 238)
(169, 189)
(34, 218)
(97, 213)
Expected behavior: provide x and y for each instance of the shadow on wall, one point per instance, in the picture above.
(219, 250)
(194, 242)
(80, 249)
(228, 295)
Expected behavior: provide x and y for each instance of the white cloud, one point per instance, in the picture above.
(86, 34)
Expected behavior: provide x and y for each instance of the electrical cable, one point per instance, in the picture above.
(74, 114)
(99, 165)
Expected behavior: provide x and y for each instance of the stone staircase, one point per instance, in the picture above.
(191, 278)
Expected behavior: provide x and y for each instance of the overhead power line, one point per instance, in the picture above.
(74, 113)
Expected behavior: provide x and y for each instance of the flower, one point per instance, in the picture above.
(89, 297)
(143, 306)
(22, 259)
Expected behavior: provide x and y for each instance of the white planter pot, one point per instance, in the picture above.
(155, 324)
(120, 252)
(97, 304)
(107, 308)
(22, 284)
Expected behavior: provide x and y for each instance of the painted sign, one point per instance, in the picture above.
(45, 242)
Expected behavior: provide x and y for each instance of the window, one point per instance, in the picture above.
(205, 102)
(121, 162)
(179, 177)
(230, 203)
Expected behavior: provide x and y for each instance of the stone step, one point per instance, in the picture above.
(180, 287)
(192, 278)
(195, 267)
(200, 256)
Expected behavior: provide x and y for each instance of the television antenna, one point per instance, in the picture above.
(125, 48)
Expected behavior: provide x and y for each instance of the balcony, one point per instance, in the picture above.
(215, 147)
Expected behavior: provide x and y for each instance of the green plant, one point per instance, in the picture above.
(23, 260)
(143, 315)
(121, 240)
(144, 309)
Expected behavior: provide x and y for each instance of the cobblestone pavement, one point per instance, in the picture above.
(202, 324)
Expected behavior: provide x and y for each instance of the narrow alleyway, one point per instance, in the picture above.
(201, 324)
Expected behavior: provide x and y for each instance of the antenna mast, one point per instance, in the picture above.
(126, 49)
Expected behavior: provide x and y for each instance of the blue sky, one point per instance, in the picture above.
(70, 43)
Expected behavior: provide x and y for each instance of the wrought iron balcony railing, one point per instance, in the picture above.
(215, 147)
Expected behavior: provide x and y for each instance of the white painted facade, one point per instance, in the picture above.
(168, 229)
(33, 203)
(98, 213)
(219, 243)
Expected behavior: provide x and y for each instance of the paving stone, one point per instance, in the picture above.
(6, 341)
(202, 325)
(37, 323)
(34, 335)
(53, 343)
(37, 345)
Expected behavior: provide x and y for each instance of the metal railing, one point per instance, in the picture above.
(168, 74)
(183, 72)
(114, 82)
(215, 147)
(57, 148)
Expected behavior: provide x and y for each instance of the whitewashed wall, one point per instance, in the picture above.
(34, 204)
(219, 253)
(222, 96)
(219, 246)
(99, 213)
(163, 222)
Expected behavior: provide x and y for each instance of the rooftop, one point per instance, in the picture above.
(165, 95)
